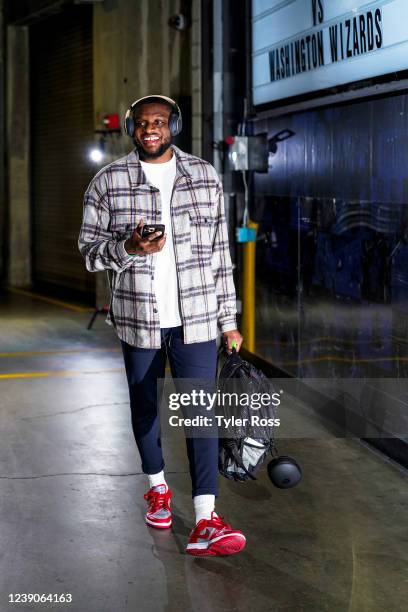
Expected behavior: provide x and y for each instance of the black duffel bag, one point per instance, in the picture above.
(240, 457)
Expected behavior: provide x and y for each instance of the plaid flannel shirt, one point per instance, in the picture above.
(117, 197)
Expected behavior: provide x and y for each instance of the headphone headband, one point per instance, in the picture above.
(167, 99)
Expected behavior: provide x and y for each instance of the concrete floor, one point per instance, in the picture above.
(71, 497)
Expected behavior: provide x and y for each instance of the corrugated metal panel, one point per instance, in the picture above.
(62, 131)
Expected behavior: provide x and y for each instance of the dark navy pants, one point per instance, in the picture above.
(143, 368)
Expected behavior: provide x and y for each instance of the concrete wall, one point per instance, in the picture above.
(196, 79)
(137, 53)
(18, 230)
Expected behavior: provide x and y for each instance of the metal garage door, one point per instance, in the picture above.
(62, 132)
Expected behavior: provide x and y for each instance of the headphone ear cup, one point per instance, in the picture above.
(173, 124)
(129, 126)
(179, 124)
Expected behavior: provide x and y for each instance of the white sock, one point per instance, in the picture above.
(157, 479)
(203, 506)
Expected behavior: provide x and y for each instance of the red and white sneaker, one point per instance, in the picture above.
(158, 513)
(215, 537)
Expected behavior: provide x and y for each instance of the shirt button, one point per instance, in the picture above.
(152, 277)
(154, 309)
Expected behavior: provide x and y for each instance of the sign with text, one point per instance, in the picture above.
(303, 46)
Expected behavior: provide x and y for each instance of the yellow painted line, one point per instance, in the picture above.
(56, 373)
(60, 352)
(26, 375)
(42, 298)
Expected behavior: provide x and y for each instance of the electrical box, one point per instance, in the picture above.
(248, 152)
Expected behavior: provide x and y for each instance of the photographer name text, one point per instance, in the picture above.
(221, 421)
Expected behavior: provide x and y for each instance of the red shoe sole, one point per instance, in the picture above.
(226, 546)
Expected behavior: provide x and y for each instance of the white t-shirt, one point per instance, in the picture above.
(165, 275)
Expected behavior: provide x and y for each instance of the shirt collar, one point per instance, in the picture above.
(138, 177)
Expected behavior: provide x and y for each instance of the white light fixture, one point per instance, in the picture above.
(96, 155)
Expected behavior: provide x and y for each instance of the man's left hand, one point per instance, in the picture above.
(230, 337)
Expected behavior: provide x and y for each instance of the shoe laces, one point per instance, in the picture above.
(157, 500)
(218, 522)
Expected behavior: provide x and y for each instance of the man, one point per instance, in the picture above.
(168, 293)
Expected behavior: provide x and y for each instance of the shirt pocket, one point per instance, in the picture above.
(201, 232)
(121, 225)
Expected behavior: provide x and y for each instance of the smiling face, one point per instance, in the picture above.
(152, 135)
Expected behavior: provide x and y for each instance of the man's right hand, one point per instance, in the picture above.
(136, 245)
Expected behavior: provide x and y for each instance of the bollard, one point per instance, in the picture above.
(248, 293)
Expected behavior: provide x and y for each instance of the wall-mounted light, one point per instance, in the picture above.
(96, 154)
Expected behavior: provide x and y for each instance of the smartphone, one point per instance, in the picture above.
(150, 229)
